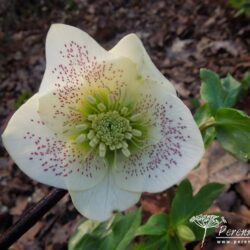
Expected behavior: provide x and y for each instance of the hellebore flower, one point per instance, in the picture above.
(105, 125)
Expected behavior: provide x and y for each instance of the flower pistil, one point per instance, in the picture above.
(110, 126)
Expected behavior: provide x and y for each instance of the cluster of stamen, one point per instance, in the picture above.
(109, 128)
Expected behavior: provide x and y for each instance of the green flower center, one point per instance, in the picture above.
(110, 127)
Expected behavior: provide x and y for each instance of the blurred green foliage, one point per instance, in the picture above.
(243, 6)
(22, 98)
(218, 119)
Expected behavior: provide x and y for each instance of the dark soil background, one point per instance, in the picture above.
(181, 37)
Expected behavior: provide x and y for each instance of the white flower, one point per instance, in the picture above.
(106, 125)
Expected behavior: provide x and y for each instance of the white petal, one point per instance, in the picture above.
(178, 150)
(69, 51)
(59, 110)
(44, 156)
(131, 46)
(99, 202)
(59, 107)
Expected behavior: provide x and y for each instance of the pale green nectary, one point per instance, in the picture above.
(105, 125)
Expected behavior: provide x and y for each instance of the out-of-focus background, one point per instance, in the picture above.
(181, 37)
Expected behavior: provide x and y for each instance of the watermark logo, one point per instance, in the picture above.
(224, 235)
(233, 236)
(207, 221)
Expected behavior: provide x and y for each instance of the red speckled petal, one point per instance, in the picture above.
(70, 53)
(176, 146)
(59, 107)
(44, 156)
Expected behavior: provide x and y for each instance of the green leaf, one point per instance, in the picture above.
(123, 231)
(219, 92)
(237, 3)
(82, 236)
(140, 246)
(22, 98)
(211, 89)
(153, 243)
(185, 205)
(208, 136)
(175, 243)
(157, 224)
(232, 90)
(245, 84)
(181, 203)
(205, 197)
(202, 114)
(115, 234)
(233, 132)
(242, 5)
(195, 102)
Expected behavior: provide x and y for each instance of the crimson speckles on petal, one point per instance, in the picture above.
(171, 149)
(58, 156)
(81, 69)
(163, 155)
(78, 74)
(106, 125)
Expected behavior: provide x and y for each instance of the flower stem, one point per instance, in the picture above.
(208, 123)
(30, 217)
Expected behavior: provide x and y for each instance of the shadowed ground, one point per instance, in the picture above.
(180, 36)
